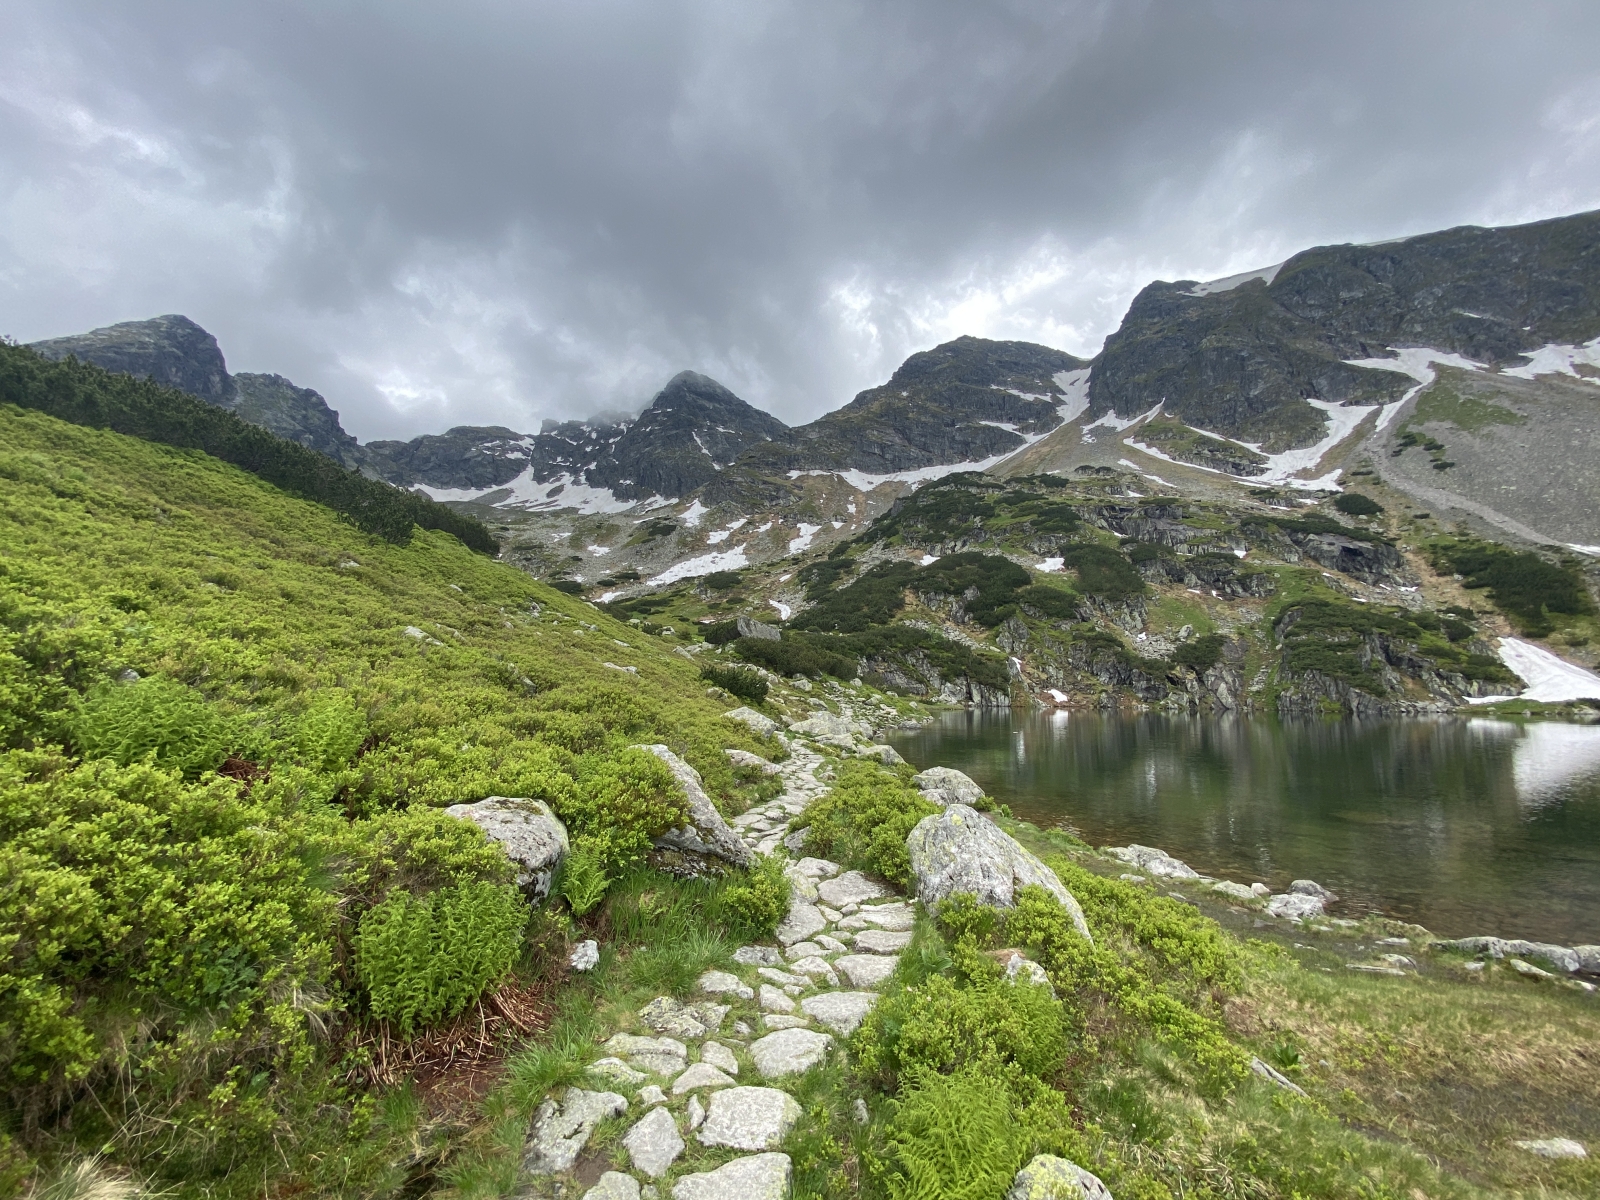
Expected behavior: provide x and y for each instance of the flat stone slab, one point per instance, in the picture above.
(1554, 1148)
(897, 917)
(615, 1071)
(756, 1177)
(850, 888)
(789, 1052)
(660, 1056)
(1291, 906)
(700, 1075)
(882, 941)
(666, 1015)
(749, 1118)
(720, 1057)
(783, 1021)
(781, 978)
(804, 950)
(560, 1131)
(775, 1001)
(817, 868)
(720, 983)
(867, 970)
(803, 921)
(758, 956)
(841, 1012)
(815, 968)
(614, 1185)
(654, 1143)
(830, 945)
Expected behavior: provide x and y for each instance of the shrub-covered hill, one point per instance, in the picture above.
(228, 721)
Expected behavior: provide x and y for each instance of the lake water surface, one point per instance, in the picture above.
(1464, 826)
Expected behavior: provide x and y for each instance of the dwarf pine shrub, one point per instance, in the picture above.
(424, 959)
(746, 684)
(865, 820)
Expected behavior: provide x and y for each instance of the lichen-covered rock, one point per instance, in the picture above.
(654, 1143)
(720, 1057)
(850, 888)
(789, 1052)
(706, 843)
(867, 970)
(761, 725)
(1290, 906)
(827, 725)
(1157, 862)
(660, 1056)
(759, 956)
(700, 1075)
(743, 758)
(560, 1131)
(960, 850)
(531, 835)
(841, 1012)
(615, 1071)
(754, 1177)
(1310, 887)
(882, 941)
(803, 921)
(1047, 1177)
(946, 785)
(749, 1118)
(887, 755)
(585, 956)
(1237, 890)
(614, 1185)
(720, 983)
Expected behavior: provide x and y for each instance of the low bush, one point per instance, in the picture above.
(424, 959)
(745, 684)
(1200, 654)
(1356, 505)
(796, 655)
(620, 803)
(1522, 584)
(720, 633)
(331, 731)
(752, 903)
(1055, 603)
(155, 717)
(865, 820)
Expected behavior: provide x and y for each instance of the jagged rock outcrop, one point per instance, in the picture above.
(706, 844)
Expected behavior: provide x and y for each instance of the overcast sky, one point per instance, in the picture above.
(482, 212)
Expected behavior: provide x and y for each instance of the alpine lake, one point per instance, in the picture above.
(1462, 825)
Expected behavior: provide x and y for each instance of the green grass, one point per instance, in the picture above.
(1442, 404)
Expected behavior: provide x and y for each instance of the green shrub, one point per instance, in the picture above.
(996, 581)
(570, 586)
(331, 731)
(796, 655)
(954, 1138)
(584, 881)
(746, 685)
(1356, 505)
(1102, 571)
(424, 959)
(620, 803)
(752, 904)
(720, 633)
(722, 581)
(158, 717)
(1052, 602)
(865, 820)
(1200, 654)
(1522, 584)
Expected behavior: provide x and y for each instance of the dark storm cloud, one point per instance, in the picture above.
(500, 212)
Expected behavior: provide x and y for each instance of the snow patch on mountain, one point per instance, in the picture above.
(1550, 679)
(1229, 282)
(1556, 359)
(705, 564)
(1074, 387)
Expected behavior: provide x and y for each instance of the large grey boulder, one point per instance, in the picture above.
(946, 785)
(706, 843)
(654, 1143)
(758, 723)
(1047, 1177)
(532, 836)
(560, 1131)
(754, 1177)
(1566, 958)
(850, 888)
(1292, 906)
(749, 627)
(1588, 959)
(826, 724)
(960, 850)
(749, 1118)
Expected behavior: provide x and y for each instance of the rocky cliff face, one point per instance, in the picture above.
(1241, 358)
(171, 350)
(296, 413)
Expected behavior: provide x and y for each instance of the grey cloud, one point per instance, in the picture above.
(497, 212)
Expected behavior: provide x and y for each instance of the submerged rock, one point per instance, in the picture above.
(531, 835)
(1310, 887)
(960, 850)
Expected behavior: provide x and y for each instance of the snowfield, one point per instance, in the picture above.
(705, 564)
(1550, 679)
(1556, 359)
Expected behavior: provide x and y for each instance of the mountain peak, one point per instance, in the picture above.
(171, 350)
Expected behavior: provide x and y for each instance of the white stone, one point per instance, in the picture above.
(789, 1052)
(1156, 862)
(758, 956)
(1554, 1148)
(841, 1012)
(755, 1177)
(651, 1095)
(817, 868)
(561, 1131)
(696, 1112)
(700, 1075)
(850, 888)
(815, 968)
(1237, 890)
(1260, 891)
(614, 1185)
(707, 835)
(774, 1001)
(614, 1070)
(1310, 887)
(802, 887)
(718, 983)
(945, 786)
(1047, 1177)
(804, 950)
(585, 956)
(882, 941)
(743, 758)
(749, 1118)
(803, 921)
(654, 1143)
(1293, 907)
(959, 850)
(783, 1021)
(867, 970)
(781, 978)
(719, 1056)
(668, 1016)
(660, 1056)
(761, 725)
(531, 836)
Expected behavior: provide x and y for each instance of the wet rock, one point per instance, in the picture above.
(1156, 862)
(531, 836)
(1310, 887)
(761, 725)
(945, 785)
(959, 850)
(749, 1118)
(654, 1143)
(882, 941)
(719, 1056)
(1289, 906)
(560, 1131)
(1047, 1177)
(756, 1177)
(700, 1075)
(841, 1012)
(867, 970)
(759, 956)
(789, 1052)
(850, 888)
(614, 1185)
(705, 843)
(585, 956)
(722, 983)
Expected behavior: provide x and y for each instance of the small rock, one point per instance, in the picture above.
(697, 1113)
(1237, 890)
(945, 786)
(653, 1144)
(1375, 969)
(841, 1012)
(781, 978)
(718, 983)
(850, 888)
(882, 941)
(867, 970)
(1260, 890)
(1528, 969)
(817, 868)
(749, 1118)
(1310, 887)
(1398, 960)
(668, 1016)
(719, 1056)
(1395, 941)
(615, 1071)
(1047, 1177)
(1273, 1075)
(743, 758)
(831, 945)
(804, 950)
(896, 917)
(789, 1052)
(700, 1075)
(741, 1029)
(585, 956)
(830, 914)
(755, 1177)
(795, 843)
(774, 1001)
(660, 1056)
(802, 888)
(815, 968)
(532, 837)
(887, 755)
(803, 921)
(561, 1131)
(859, 1111)
(1554, 1148)
(758, 956)
(784, 1021)
(1291, 906)
(652, 1094)
(614, 1185)
(761, 725)
(1156, 862)
(1020, 968)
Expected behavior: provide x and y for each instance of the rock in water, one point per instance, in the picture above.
(959, 850)
(1292, 907)
(1157, 862)
(945, 786)
(1310, 887)
(1050, 1178)
(529, 833)
(653, 1144)
(707, 837)
(755, 1177)
(614, 1185)
(561, 1131)
(789, 1052)
(749, 1118)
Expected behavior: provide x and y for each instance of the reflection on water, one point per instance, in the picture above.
(1465, 826)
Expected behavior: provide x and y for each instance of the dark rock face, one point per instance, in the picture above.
(296, 413)
(1242, 361)
(945, 405)
(172, 350)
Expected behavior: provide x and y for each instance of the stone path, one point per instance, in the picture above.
(716, 1068)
